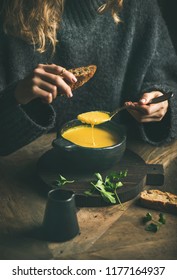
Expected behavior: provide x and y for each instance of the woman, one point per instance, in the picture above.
(128, 42)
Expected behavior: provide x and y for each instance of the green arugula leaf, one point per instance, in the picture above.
(99, 177)
(62, 181)
(155, 225)
(88, 192)
(162, 218)
(152, 227)
(108, 196)
(118, 185)
(147, 218)
(107, 187)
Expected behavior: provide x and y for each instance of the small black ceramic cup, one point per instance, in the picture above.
(60, 218)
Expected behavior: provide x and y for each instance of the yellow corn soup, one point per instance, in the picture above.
(89, 136)
(94, 117)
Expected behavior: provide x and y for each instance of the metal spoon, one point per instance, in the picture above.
(98, 117)
(165, 96)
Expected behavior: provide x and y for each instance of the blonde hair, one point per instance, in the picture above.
(114, 6)
(37, 21)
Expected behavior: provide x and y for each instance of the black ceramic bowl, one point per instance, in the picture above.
(94, 159)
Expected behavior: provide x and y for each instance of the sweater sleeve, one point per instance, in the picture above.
(21, 124)
(160, 75)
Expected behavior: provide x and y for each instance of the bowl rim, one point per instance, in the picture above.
(64, 127)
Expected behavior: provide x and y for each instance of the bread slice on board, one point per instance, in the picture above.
(83, 75)
(158, 200)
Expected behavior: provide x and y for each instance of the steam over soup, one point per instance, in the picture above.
(89, 136)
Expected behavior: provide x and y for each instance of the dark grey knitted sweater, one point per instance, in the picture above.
(133, 57)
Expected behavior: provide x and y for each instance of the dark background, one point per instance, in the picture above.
(169, 12)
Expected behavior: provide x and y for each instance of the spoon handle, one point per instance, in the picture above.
(161, 98)
(165, 96)
(118, 110)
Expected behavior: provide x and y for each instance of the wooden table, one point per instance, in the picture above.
(106, 232)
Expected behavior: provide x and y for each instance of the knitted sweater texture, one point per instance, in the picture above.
(133, 57)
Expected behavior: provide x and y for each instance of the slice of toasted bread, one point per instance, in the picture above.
(158, 200)
(83, 75)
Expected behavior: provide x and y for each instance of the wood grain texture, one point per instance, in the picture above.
(106, 232)
(51, 165)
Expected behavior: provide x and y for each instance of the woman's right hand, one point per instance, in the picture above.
(45, 82)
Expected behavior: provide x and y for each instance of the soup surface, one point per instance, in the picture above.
(89, 136)
(94, 117)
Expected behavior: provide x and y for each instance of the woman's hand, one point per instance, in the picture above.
(46, 82)
(147, 113)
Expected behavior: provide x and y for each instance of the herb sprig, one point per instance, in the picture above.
(61, 181)
(108, 187)
(152, 224)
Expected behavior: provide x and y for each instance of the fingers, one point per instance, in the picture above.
(47, 78)
(144, 112)
(29, 89)
(40, 84)
(52, 79)
(45, 82)
(53, 84)
(142, 118)
(58, 70)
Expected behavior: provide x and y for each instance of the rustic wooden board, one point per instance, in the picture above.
(50, 166)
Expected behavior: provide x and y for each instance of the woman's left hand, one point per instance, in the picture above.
(147, 113)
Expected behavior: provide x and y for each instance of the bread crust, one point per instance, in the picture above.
(83, 74)
(158, 200)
